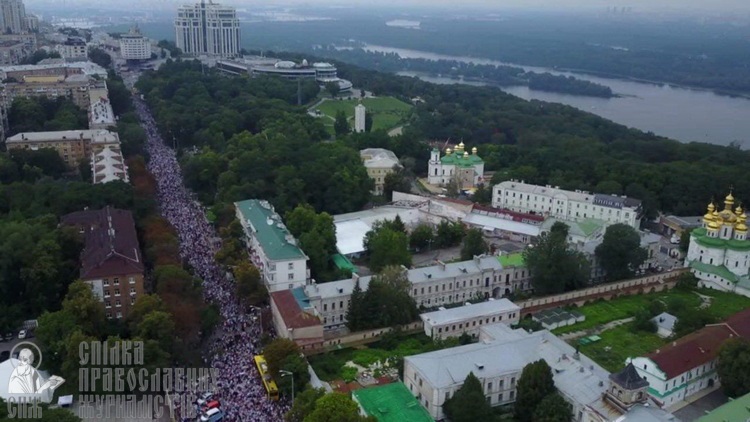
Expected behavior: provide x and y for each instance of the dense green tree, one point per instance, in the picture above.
(250, 288)
(317, 237)
(297, 365)
(554, 266)
(691, 320)
(277, 352)
(398, 180)
(332, 88)
(482, 195)
(534, 385)
(685, 240)
(473, 244)
(368, 122)
(449, 234)
(355, 314)
(341, 124)
(40, 55)
(422, 237)
(620, 254)
(335, 407)
(385, 247)
(304, 404)
(553, 408)
(734, 367)
(386, 303)
(643, 321)
(100, 57)
(468, 403)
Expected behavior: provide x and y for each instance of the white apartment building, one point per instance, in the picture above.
(134, 46)
(469, 318)
(207, 28)
(273, 249)
(566, 205)
(13, 16)
(437, 285)
(74, 48)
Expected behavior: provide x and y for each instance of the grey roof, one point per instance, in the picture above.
(611, 201)
(577, 377)
(665, 320)
(686, 222)
(628, 378)
(641, 413)
(378, 157)
(461, 313)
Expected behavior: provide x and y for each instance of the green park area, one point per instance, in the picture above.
(627, 340)
(387, 112)
(386, 353)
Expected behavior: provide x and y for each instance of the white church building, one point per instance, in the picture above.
(467, 168)
(719, 252)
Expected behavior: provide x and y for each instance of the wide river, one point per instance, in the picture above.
(679, 113)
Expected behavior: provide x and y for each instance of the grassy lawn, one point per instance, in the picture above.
(602, 312)
(724, 304)
(387, 112)
(623, 344)
(330, 366)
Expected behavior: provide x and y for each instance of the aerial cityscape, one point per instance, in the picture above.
(217, 210)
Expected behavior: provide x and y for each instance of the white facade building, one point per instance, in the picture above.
(566, 205)
(359, 118)
(467, 169)
(74, 48)
(719, 252)
(207, 28)
(273, 250)
(469, 318)
(134, 46)
(437, 285)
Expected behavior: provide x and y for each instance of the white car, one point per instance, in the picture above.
(22, 334)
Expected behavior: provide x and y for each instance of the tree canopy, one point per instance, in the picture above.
(387, 244)
(473, 244)
(534, 385)
(734, 367)
(468, 403)
(620, 254)
(386, 303)
(556, 267)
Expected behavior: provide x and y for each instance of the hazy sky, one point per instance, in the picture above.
(715, 5)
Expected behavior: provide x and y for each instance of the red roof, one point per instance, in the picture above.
(291, 313)
(692, 350)
(740, 322)
(110, 243)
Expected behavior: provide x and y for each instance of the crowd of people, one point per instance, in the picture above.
(239, 388)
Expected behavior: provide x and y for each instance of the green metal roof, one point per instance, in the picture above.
(712, 242)
(511, 260)
(342, 263)
(391, 403)
(719, 270)
(461, 161)
(274, 237)
(737, 410)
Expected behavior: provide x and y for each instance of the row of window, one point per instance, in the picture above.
(116, 281)
(474, 324)
(117, 292)
(108, 304)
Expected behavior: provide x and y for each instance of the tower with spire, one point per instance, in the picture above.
(719, 251)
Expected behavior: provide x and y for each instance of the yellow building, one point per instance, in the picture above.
(75, 87)
(72, 145)
(379, 163)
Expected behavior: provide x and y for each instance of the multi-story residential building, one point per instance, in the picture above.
(75, 87)
(74, 48)
(108, 165)
(719, 252)
(272, 248)
(687, 366)
(101, 115)
(52, 67)
(566, 205)
(469, 318)
(32, 23)
(207, 28)
(111, 261)
(134, 46)
(13, 16)
(12, 52)
(498, 361)
(438, 285)
(72, 145)
(379, 163)
(467, 169)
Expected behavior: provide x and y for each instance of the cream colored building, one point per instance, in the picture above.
(379, 163)
(134, 46)
(75, 87)
(72, 145)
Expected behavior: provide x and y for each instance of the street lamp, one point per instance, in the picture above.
(290, 375)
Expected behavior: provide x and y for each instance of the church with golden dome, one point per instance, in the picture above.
(459, 165)
(719, 252)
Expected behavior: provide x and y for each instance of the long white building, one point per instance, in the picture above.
(273, 249)
(551, 201)
(207, 28)
(469, 318)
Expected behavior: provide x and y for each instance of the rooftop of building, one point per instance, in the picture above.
(701, 236)
(378, 158)
(88, 68)
(277, 243)
(629, 378)
(684, 222)
(110, 242)
(391, 403)
(341, 262)
(461, 159)
(577, 377)
(585, 228)
(490, 222)
(736, 410)
(517, 216)
(108, 165)
(511, 260)
(467, 311)
(291, 312)
(351, 228)
(96, 136)
(612, 201)
(665, 320)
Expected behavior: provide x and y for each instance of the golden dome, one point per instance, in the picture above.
(466, 154)
(713, 225)
(711, 207)
(448, 151)
(738, 210)
(741, 227)
(461, 145)
(728, 202)
(474, 150)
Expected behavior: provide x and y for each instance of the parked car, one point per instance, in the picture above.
(212, 404)
(22, 334)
